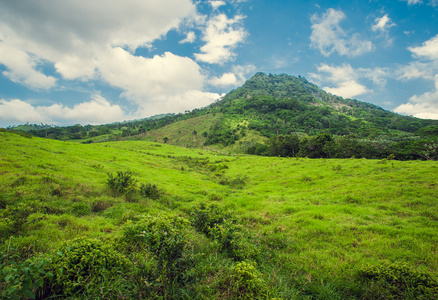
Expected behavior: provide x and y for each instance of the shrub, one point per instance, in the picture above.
(165, 237)
(22, 280)
(225, 231)
(123, 184)
(398, 281)
(205, 218)
(245, 282)
(86, 263)
(150, 190)
(16, 216)
(100, 205)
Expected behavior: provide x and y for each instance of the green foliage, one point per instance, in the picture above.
(398, 281)
(245, 282)
(16, 216)
(22, 279)
(165, 237)
(223, 228)
(205, 217)
(85, 263)
(122, 184)
(150, 190)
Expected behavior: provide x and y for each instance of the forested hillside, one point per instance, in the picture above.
(297, 117)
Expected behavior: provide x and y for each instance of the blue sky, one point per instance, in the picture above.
(100, 61)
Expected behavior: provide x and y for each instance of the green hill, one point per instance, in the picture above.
(143, 220)
(274, 107)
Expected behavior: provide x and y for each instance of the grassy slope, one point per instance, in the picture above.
(323, 219)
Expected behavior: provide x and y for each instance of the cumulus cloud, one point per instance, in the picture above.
(190, 38)
(429, 49)
(382, 24)
(96, 111)
(235, 78)
(84, 42)
(53, 31)
(433, 3)
(217, 3)
(221, 36)
(21, 68)
(146, 79)
(422, 106)
(345, 80)
(425, 67)
(413, 2)
(329, 37)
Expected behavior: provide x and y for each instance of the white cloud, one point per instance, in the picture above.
(382, 24)
(190, 38)
(348, 89)
(235, 78)
(52, 31)
(226, 79)
(345, 80)
(96, 111)
(422, 106)
(178, 103)
(96, 40)
(425, 67)
(413, 2)
(222, 35)
(328, 36)
(21, 68)
(429, 49)
(217, 3)
(145, 79)
(432, 3)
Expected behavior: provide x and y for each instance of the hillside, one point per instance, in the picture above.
(209, 226)
(272, 106)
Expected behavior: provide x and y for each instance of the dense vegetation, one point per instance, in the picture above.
(141, 220)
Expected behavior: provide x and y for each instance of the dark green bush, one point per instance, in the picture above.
(398, 281)
(222, 228)
(22, 279)
(16, 216)
(150, 190)
(122, 184)
(244, 282)
(165, 237)
(205, 218)
(87, 264)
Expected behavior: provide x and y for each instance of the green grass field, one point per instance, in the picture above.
(299, 229)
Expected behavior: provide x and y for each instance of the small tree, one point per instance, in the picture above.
(165, 139)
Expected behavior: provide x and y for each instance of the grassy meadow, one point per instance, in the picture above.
(218, 226)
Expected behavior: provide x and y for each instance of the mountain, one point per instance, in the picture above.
(268, 106)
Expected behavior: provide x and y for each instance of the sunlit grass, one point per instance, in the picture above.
(318, 221)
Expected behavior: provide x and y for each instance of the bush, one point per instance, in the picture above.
(225, 231)
(232, 240)
(87, 263)
(205, 218)
(398, 281)
(165, 237)
(150, 190)
(123, 184)
(22, 280)
(245, 282)
(16, 216)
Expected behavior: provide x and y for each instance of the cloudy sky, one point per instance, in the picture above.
(102, 61)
